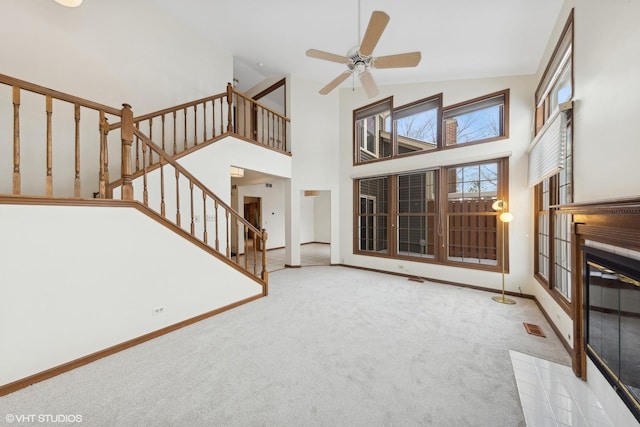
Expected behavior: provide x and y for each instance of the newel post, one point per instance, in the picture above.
(230, 109)
(127, 140)
(265, 273)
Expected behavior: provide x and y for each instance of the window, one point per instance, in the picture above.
(478, 120)
(441, 216)
(372, 127)
(373, 215)
(553, 230)
(415, 126)
(471, 220)
(416, 214)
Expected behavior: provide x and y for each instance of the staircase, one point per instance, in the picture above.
(75, 174)
(146, 150)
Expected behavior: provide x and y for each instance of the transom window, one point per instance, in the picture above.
(383, 132)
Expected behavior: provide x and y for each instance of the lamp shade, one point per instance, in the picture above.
(499, 205)
(69, 3)
(506, 217)
(237, 172)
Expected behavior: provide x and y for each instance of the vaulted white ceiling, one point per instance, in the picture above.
(458, 38)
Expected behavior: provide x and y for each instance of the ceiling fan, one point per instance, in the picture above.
(360, 61)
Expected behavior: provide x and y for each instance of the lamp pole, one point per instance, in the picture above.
(504, 217)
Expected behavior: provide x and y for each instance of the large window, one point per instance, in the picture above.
(478, 120)
(553, 230)
(442, 215)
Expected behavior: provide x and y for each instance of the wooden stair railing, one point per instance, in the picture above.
(184, 128)
(46, 123)
(179, 197)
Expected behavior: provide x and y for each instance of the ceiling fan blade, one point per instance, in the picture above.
(334, 83)
(313, 53)
(377, 24)
(369, 84)
(411, 59)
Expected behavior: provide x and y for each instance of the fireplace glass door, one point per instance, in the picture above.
(612, 302)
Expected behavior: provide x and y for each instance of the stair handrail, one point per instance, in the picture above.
(229, 213)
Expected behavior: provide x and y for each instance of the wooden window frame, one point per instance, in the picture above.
(542, 113)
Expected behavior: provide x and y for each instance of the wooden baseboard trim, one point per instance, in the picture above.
(562, 339)
(443, 282)
(292, 266)
(65, 367)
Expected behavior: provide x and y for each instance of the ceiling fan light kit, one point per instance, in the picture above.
(360, 60)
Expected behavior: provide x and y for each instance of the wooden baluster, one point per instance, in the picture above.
(228, 238)
(127, 141)
(264, 273)
(177, 197)
(221, 116)
(49, 178)
(195, 124)
(145, 194)
(272, 133)
(204, 119)
(16, 140)
(229, 104)
(215, 206)
(204, 215)
(262, 126)
(237, 242)
(162, 204)
(246, 248)
(102, 182)
(151, 138)
(163, 140)
(108, 189)
(175, 135)
(76, 181)
(255, 254)
(193, 225)
(185, 145)
(137, 148)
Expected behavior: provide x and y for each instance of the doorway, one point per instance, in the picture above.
(252, 213)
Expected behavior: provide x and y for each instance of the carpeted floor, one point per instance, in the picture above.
(330, 346)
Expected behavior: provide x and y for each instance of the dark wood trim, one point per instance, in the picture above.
(563, 340)
(44, 201)
(568, 22)
(60, 369)
(316, 243)
(292, 266)
(440, 281)
(273, 87)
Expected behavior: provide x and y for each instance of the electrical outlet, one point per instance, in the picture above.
(157, 310)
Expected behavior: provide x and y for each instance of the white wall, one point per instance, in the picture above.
(315, 165)
(65, 297)
(520, 244)
(322, 218)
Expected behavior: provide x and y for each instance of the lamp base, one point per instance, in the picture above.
(503, 300)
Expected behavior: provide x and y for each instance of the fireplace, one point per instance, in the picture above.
(612, 320)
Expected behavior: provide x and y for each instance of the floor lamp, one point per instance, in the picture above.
(504, 217)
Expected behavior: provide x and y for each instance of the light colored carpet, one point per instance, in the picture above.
(330, 346)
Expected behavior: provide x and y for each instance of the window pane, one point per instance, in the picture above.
(416, 214)
(373, 132)
(416, 128)
(471, 220)
(476, 121)
(373, 214)
(562, 239)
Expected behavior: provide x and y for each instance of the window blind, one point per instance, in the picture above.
(548, 148)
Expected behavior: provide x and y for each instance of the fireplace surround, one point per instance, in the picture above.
(606, 293)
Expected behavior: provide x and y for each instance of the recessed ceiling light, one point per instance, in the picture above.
(260, 64)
